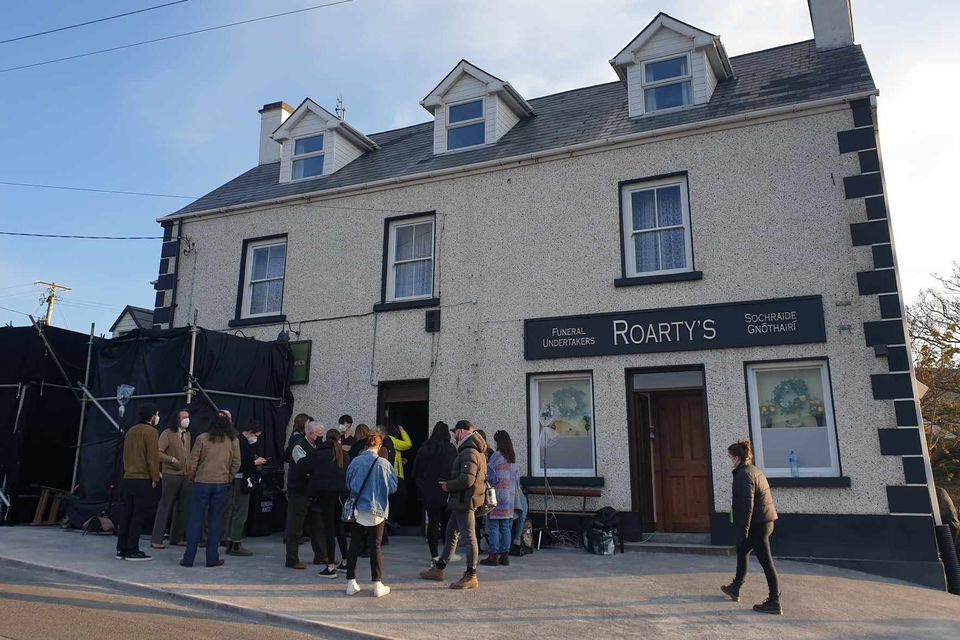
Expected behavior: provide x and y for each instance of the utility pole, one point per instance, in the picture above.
(50, 298)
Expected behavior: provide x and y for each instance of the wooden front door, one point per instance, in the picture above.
(680, 434)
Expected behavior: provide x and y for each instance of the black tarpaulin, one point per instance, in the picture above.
(39, 447)
(157, 363)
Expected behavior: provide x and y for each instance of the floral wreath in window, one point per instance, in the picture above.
(792, 396)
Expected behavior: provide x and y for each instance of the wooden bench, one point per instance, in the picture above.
(575, 492)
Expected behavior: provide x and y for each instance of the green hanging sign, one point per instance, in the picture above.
(300, 350)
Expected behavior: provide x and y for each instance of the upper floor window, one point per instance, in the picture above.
(656, 227)
(308, 157)
(466, 126)
(410, 259)
(265, 262)
(666, 83)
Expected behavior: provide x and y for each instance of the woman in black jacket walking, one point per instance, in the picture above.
(432, 465)
(753, 516)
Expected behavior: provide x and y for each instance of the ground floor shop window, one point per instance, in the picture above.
(562, 441)
(791, 412)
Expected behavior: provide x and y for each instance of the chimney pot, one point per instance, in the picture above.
(832, 23)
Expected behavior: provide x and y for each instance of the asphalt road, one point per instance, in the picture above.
(45, 605)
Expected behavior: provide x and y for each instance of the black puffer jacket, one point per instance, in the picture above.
(432, 465)
(468, 475)
(325, 478)
(752, 500)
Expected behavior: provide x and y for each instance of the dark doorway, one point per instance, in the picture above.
(669, 450)
(406, 404)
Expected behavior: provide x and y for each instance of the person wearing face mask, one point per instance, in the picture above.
(301, 506)
(235, 515)
(175, 497)
(465, 488)
(141, 473)
(753, 516)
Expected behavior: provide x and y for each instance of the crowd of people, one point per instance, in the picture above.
(341, 480)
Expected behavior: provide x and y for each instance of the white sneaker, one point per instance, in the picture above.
(353, 587)
(380, 589)
(456, 557)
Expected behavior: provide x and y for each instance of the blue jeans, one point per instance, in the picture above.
(203, 497)
(498, 531)
(518, 523)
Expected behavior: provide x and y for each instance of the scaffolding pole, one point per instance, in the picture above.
(194, 330)
(99, 406)
(56, 360)
(83, 411)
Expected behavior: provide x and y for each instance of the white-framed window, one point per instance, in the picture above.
(410, 259)
(308, 157)
(264, 266)
(466, 125)
(656, 227)
(791, 411)
(562, 436)
(667, 83)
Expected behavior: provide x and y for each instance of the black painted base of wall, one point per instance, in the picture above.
(902, 547)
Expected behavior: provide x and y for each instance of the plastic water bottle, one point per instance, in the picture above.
(794, 466)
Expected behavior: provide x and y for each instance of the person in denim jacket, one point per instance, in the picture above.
(372, 508)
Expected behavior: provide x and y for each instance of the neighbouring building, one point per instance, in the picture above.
(626, 277)
(131, 318)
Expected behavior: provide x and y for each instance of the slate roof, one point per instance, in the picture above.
(781, 76)
(143, 318)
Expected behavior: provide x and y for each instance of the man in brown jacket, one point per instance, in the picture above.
(465, 494)
(141, 472)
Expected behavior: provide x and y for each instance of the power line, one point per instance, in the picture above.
(126, 193)
(54, 235)
(83, 24)
(171, 37)
(14, 311)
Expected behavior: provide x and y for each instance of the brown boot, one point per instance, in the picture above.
(433, 573)
(296, 565)
(468, 581)
(490, 560)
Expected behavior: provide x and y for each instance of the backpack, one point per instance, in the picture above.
(603, 531)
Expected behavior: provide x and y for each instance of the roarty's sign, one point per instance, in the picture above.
(717, 326)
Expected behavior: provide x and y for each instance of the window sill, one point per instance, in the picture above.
(251, 322)
(407, 304)
(841, 482)
(568, 481)
(657, 279)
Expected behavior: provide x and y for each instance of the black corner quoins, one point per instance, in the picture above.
(883, 332)
(862, 112)
(891, 386)
(868, 233)
(874, 282)
(861, 186)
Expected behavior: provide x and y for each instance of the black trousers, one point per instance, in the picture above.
(371, 536)
(758, 541)
(301, 511)
(136, 497)
(436, 529)
(328, 508)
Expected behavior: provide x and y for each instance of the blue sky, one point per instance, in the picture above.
(180, 117)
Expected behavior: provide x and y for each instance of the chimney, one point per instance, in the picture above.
(832, 23)
(271, 116)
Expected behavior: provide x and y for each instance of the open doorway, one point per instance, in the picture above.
(669, 451)
(407, 404)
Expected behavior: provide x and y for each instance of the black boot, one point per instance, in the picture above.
(732, 590)
(771, 605)
(490, 560)
(504, 560)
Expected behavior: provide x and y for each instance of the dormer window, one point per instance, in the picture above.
(466, 125)
(671, 65)
(666, 83)
(472, 108)
(308, 157)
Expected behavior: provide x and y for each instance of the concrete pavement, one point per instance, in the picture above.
(562, 593)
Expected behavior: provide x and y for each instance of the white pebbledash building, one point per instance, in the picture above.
(626, 277)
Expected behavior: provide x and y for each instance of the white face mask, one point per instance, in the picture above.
(185, 423)
(252, 439)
